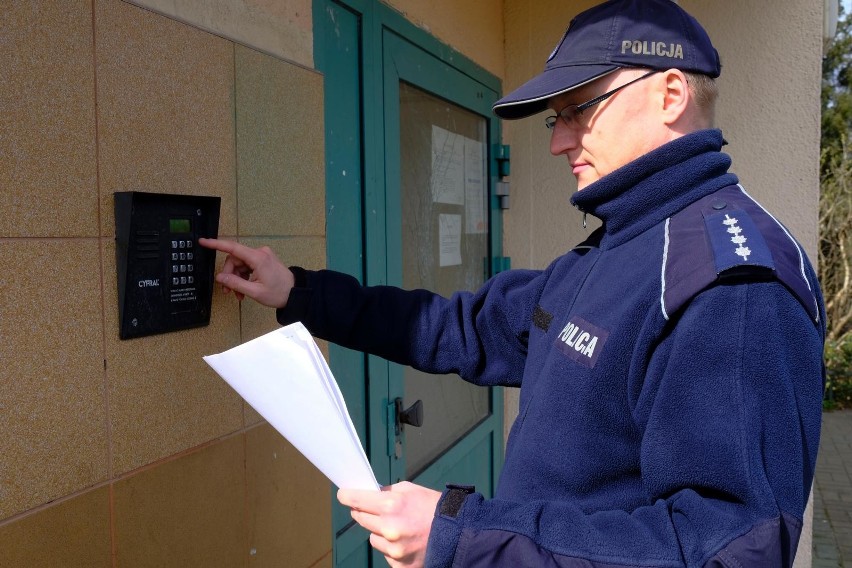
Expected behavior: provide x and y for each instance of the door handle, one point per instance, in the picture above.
(413, 415)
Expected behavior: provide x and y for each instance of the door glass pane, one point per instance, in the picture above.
(444, 198)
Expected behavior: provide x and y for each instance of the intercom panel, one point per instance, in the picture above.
(165, 279)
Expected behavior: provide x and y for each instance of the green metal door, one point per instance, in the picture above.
(410, 202)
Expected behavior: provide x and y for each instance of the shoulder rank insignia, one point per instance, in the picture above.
(736, 241)
(738, 237)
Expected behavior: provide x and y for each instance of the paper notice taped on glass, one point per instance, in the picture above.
(285, 378)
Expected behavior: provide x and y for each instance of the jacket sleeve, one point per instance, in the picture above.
(481, 335)
(728, 406)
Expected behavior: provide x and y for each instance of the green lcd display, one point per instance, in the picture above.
(179, 225)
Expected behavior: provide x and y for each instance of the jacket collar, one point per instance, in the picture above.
(644, 192)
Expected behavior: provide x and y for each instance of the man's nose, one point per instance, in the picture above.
(562, 138)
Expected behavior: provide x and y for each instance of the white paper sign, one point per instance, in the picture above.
(447, 178)
(476, 221)
(449, 233)
(285, 378)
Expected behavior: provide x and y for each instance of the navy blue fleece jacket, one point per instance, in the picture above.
(670, 370)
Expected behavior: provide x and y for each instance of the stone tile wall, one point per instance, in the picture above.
(135, 453)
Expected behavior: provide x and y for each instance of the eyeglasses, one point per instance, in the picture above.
(572, 114)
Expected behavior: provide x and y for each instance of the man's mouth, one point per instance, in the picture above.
(579, 167)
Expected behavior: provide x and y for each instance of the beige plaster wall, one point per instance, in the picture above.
(473, 28)
(769, 111)
(283, 28)
(134, 453)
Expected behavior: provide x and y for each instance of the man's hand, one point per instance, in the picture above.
(256, 273)
(399, 516)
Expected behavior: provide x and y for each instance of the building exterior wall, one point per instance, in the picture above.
(472, 28)
(283, 28)
(135, 453)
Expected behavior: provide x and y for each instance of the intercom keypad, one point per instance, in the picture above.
(183, 265)
(165, 279)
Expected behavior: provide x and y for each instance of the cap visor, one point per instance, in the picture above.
(531, 97)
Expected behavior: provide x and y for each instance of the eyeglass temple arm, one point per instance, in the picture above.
(608, 94)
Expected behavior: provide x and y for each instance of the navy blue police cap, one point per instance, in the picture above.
(655, 34)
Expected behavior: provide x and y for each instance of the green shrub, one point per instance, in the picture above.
(838, 362)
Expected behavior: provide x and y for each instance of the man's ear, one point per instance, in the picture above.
(676, 97)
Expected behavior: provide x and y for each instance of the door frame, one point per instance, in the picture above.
(348, 50)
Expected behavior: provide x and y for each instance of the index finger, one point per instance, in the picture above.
(247, 254)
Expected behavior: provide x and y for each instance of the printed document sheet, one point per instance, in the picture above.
(285, 378)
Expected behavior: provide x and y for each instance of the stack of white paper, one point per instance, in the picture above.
(285, 378)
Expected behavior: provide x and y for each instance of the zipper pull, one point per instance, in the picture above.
(584, 219)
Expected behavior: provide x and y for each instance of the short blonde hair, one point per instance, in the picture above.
(704, 92)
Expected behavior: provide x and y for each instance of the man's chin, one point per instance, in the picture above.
(586, 178)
